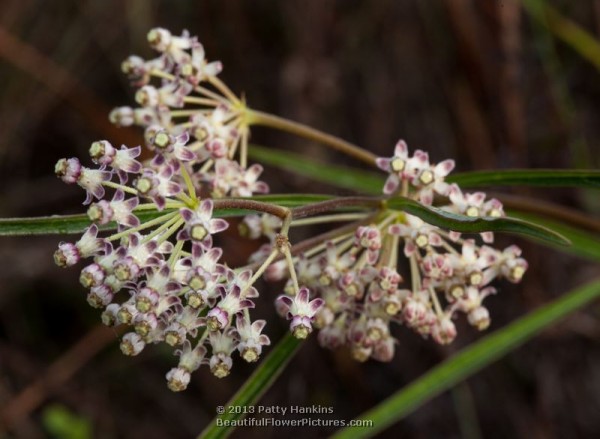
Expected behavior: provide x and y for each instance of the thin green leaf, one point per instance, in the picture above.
(338, 176)
(583, 243)
(59, 224)
(72, 224)
(258, 383)
(469, 361)
(466, 224)
(528, 177)
(372, 183)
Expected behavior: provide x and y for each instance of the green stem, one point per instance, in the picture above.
(175, 255)
(188, 183)
(260, 118)
(160, 229)
(222, 87)
(152, 206)
(120, 187)
(200, 101)
(292, 269)
(154, 222)
(171, 230)
(328, 219)
(262, 268)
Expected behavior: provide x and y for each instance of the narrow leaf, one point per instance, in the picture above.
(583, 243)
(469, 361)
(72, 224)
(258, 383)
(372, 183)
(59, 224)
(528, 177)
(466, 224)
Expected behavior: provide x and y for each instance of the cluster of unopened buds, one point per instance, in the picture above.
(161, 274)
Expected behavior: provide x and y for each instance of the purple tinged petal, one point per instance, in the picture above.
(246, 303)
(426, 196)
(221, 290)
(122, 176)
(185, 154)
(131, 221)
(159, 201)
(477, 198)
(383, 163)
(261, 187)
(206, 208)
(183, 235)
(254, 171)
(183, 138)
(258, 325)
(133, 152)
(264, 340)
(394, 229)
(158, 160)
(391, 184)
(118, 196)
(166, 172)
(133, 167)
(444, 168)
(213, 68)
(218, 225)
(172, 287)
(151, 246)
(315, 305)
(245, 276)
(454, 236)
(187, 214)
(214, 254)
(287, 301)
(401, 149)
(303, 295)
(488, 237)
(235, 291)
(173, 188)
(197, 250)
(409, 248)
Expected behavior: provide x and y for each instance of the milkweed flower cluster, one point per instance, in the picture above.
(357, 275)
(162, 275)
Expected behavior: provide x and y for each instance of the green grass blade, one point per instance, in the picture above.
(466, 224)
(528, 177)
(372, 183)
(583, 243)
(469, 361)
(258, 383)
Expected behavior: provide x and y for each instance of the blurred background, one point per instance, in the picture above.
(493, 84)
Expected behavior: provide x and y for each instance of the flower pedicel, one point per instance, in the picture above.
(162, 275)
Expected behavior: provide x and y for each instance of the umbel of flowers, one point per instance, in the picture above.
(161, 274)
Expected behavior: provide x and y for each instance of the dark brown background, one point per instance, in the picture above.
(479, 81)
